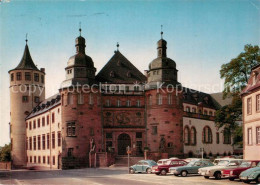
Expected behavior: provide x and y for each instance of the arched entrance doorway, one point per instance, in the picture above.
(123, 142)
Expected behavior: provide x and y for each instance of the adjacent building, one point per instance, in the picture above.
(109, 111)
(251, 115)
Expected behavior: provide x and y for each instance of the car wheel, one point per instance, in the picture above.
(258, 179)
(184, 173)
(206, 177)
(132, 171)
(148, 170)
(157, 174)
(163, 172)
(176, 175)
(217, 175)
(231, 179)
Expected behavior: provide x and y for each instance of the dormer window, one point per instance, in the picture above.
(112, 74)
(128, 74)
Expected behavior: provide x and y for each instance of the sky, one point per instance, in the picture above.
(201, 35)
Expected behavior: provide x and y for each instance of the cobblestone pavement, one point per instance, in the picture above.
(108, 176)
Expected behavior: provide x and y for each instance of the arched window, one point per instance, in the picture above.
(193, 136)
(210, 113)
(91, 99)
(187, 109)
(186, 135)
(205, 112)
(227, 136)
(70, 99)
(207, 135)
(118, 103)
(194, 110)
(80, 98)
(128, 103)
(169, 99)
(159, 99)
(150, 100)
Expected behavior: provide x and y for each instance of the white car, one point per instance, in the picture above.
(215, 171)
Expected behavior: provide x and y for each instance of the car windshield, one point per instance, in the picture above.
(258, 165)
(191, 163)
(167, 162)
(245, 164)
(153, 163)
(222, 163)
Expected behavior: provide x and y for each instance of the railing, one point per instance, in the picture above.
(198, 116)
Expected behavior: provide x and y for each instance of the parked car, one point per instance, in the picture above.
(143, 166)
(191, 168)
(174, 158)
(216, 161)
(215, 171)
(233, 173)
(164, 169)
(162, 161)
(251, 174)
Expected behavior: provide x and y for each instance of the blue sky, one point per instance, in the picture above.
(201, 36)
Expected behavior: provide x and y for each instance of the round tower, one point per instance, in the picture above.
(27, 89)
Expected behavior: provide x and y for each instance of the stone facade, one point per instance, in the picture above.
(251, 116)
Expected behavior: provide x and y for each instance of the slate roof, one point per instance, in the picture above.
(120, 70)
(195, 97)
(218, 97)
(44, 106)
(26, 61)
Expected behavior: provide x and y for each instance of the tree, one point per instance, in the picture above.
(5, 153)
(236, 74)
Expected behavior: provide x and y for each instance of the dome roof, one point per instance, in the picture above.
(80, 59)
(162, 62)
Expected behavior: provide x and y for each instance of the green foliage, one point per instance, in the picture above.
(5, 153)
(237, 71)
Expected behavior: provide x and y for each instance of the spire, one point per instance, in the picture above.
(161, 46)
(26, 61)
(161, 32)
(80, 42)
(79, 28)
(26, 39)
(117, 45)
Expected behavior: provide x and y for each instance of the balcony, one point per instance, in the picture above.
(198, 116)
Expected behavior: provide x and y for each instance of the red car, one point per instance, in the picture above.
(164, 169)
(233, 173)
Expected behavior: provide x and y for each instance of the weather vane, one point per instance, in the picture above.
(26, 38)
(117, 45)
(161, 31)
(79, 28)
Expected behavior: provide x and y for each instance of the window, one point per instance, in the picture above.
(53, 117)
(217, 138)
(170, 145)
(30, 125)
(159, 99)
(139, 135)
(48, 120)
(210, 113)
(18, 76)
(150, 100)
(258, 102)
(34, 159)
(30, 143)
(30, 159)
(48, 141)
(36, 77)
(205, 112)
(37, 99)
(27, 143)
(27, 76)
(207, 135)
(70, 152)
(118, 103)
(34, 124)
(169, 99)
(107, 103)
(257, 135)
(127, 88)
(136, 88)
(53, 160)
(227, 136)
(53, 139)
(59, 138)
(43, 141)
(39, 142)
(25, 99)
(80, 98)
(154, 130)
(43, 121)
(43, 160)
(71, 129)
(187, 109)
(42, 78)
(117, 88)
(249, 136)
(34, 143)
(48, 160)
(193, 136)
(109, 135)
(39, 159)
(186, 135)
(91, 99)
(128, 103)
(70, 99)
(138, 103)
(249, 105)
(12, 77)
(194, 110)
(39, 123)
